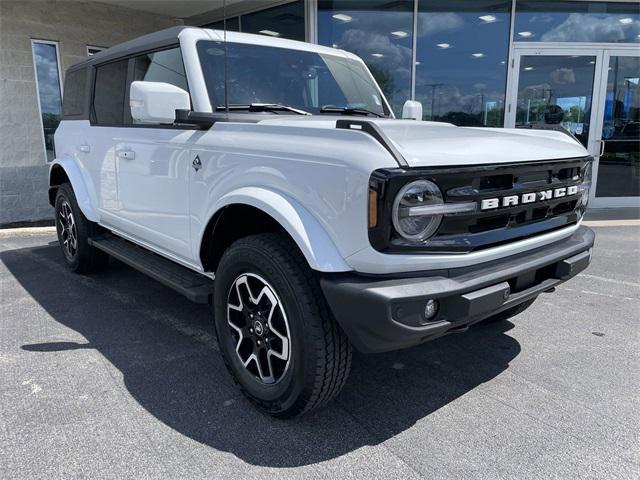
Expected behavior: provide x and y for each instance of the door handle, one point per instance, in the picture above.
(84, 148)
(126, 154)
(602, 144)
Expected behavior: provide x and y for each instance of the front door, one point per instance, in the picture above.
(153, 166)
(592, 93)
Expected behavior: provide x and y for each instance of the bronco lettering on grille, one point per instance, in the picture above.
(530, 197)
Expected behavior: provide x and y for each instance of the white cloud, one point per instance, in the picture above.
(579, 27)
(395, 58)
(563, 76)
(431, 23)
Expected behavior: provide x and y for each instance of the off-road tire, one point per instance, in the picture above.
(85, 258)
(320, 353)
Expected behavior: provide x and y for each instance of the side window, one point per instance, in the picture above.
(109, 93)
(165, 66)
(74, 99)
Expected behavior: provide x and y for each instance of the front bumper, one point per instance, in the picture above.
(386, 313)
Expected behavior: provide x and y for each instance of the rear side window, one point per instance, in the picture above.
(109, 93)
(74, 89)
(165, 66)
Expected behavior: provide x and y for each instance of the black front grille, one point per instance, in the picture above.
(467, 232)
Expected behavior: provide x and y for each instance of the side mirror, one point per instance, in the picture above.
(412, 110)
(156, 102)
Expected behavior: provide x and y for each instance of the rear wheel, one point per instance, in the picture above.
(511, 312)
(276, 333)
(74, 231)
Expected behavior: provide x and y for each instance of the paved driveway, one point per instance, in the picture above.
(115, 376)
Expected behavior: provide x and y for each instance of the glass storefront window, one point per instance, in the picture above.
(233, 25)
(556, 91)
(619, 169)
(461, 61)
(568, 21)
(380, 32)
(45, 58)
(286, 21)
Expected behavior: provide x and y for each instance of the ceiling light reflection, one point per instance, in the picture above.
(342, 17)
(488, 18)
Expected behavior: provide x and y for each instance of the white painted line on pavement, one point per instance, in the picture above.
(17, 232)
(611, 223)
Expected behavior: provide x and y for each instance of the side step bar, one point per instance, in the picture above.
(195, 286)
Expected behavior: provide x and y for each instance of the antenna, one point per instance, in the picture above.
(226, 83)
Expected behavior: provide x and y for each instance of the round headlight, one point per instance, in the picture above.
(407, 219)
(585, 187)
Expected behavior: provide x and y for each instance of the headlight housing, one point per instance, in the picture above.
(585, 189)
(412, 214)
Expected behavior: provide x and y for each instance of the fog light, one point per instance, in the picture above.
(430, 309)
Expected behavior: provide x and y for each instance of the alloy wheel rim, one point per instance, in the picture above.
(258, 324)
(68, 230)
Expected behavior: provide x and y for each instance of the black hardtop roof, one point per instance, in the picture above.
(151, 41)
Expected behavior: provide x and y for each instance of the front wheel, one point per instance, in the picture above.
(276, 333)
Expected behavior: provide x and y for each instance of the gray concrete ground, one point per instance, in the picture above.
(115, 376)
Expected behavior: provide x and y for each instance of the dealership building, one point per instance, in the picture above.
(481, 63)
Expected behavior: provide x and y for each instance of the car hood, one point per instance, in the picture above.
(434, 143)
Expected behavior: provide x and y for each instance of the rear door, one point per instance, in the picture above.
(96, 151)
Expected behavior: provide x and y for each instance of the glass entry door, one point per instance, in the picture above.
(555, 91)
(594, 93)
(618, 169)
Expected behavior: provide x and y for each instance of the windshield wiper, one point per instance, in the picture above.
(262, 107)
(349, 111)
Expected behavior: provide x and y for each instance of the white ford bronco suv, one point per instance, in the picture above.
(270, 178)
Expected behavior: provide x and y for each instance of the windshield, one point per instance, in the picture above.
(295, 78)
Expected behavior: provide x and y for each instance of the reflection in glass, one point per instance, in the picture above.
(296, 78)
(233, 25)
(49, 92)
(164, 66)
(380, 32)
(619, 167)
(286, 21)
(569, 21)
(461, 61)
(556, 90)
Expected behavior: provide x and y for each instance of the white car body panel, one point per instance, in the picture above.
(81, 183)
(316, 169)
(308, 175)
(430, 144)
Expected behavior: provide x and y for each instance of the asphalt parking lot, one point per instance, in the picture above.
(115, 376)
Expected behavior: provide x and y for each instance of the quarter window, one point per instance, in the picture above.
(74, 86)
(109, 93)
